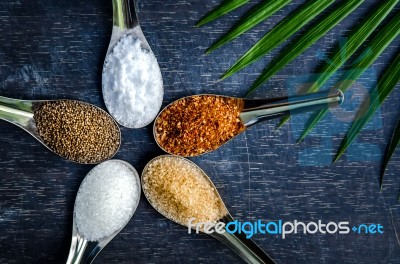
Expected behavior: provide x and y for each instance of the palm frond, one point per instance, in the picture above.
(280, 33)
(385, 86)
(394, 142)
(374, 49)
(224, 8)
(255, 16)
(309, 37)
(355, 40)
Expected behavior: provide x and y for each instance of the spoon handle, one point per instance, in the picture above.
(125, 21)
(18, 112)
(124, 14)
(246, 248)
(77, 250)
(82, 250)
(257, 110)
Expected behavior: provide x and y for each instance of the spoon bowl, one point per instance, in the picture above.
(248, 113)
(82, 249)
(245, 248)
(126, 24)
(21, 113)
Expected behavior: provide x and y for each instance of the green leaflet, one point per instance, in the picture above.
(355, 40)
(224, 8)
(255, 16)
(385, 86)
(312, 34)
(280, 33)
(394, 142)
(398, 197)
(283, 121)
(374, 49)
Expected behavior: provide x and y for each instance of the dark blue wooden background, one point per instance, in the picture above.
(55, 49)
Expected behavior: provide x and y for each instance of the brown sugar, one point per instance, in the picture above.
(198, 124)
(179, 191)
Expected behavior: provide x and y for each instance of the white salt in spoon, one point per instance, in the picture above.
(126, 24)
(106, 201)
(247, 249)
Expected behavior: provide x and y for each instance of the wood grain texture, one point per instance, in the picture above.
(55, 49)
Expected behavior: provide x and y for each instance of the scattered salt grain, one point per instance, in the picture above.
(132, 83)
(106, 200)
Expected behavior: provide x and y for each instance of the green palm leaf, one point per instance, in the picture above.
(355, 40)
(385, 86)
(398, 197)
(306, 40)
(375, 48)
(280, 33)
(394, 142)
(224, 8)
(255, 16)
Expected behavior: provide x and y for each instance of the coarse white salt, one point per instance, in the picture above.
(132, 83)
(106, 200)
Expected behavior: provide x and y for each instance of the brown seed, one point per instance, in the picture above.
(77, 131)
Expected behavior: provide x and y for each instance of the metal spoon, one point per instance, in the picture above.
(84, 251)
(247, 249)
(21, 112)
(125, 22)
(253, 111)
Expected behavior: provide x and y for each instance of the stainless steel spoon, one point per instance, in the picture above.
(84, 251)
(21, 113)
(247, 249)
(125, 22)
(253, 111)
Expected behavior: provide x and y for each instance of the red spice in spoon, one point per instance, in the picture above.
(198, 124)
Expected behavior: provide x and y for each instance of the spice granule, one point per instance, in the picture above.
(198, 124)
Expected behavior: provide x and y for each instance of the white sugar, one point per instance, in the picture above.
(106, 200)
(132, 84)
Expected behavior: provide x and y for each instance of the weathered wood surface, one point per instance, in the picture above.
(55, 49)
